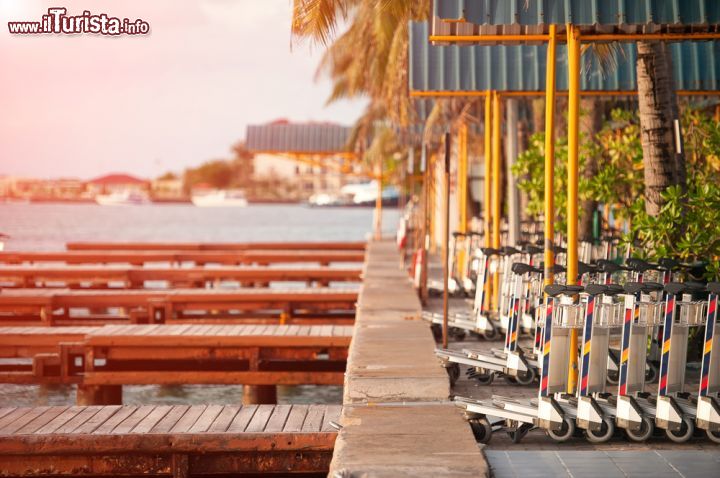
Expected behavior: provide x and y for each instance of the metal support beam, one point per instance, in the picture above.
(511, 153)
(496, 210)
(573, 39)
(446, 240)
(592, 37)
(550, 156)
(487, 196)
(462, 176)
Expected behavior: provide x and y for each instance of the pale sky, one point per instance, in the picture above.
(86, 105)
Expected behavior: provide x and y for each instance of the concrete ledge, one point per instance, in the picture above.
(422, 440)
(396, 418)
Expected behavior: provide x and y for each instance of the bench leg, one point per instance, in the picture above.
(259, 395)
(99, 395)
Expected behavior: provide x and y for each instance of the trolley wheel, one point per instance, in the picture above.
(453, 371)
(567, 430)
(647, 427)
(651, 374)
(437, 332)
(713, 436)
(613, 377)
(605, 433)
(455, 333)
(485, 378)
(490, 333)
(687, 430)
(482, 429)
(526, 378)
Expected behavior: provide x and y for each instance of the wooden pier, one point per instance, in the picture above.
(199, 258)
(103, 359)
(177, 441)
(396, 419)
(215, 246)
(55, 306)
(173, 277)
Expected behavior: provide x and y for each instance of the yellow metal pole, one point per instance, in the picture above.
(487, 195)
(462, 176)
(462, 193)
(550, 156)
(432, 204)
(496, 214)
(573, 47)
(446, 240)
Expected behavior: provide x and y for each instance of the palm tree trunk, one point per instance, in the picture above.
(658, 108)
(590, 124)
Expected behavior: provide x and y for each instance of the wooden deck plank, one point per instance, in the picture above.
(170, 419)
(152, 418)
(11, 427)
(59, 421)
(15, 414)
(296, 418)
(277, 420)
(241, 420)
(86, 414)
(332, 414)
(188, 419)
(206, 419)
(314, 419)
(131, 421)
(98, 419)
(259, 420)
(224, 419)
(5, 410)
(107, 427)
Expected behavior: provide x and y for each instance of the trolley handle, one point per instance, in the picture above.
(639, 265)
(713, 288)
(605, 265)
(642, 287)
(554, 290)
(489, 251)
(677, 288)
(509, 251)
(603, 289)
(584, 268)
(520, 268)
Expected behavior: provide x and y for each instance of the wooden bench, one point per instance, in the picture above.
(139, 258)
(97, 277)
(215, 246)
(56, 306)
(176, 354)
(178, 441)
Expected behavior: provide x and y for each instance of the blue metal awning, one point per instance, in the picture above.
(506, 17)
(696, 66)
(309, 138)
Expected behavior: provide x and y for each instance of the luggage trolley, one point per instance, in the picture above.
(708, 403)
(675, 409)
(477, 321)
(553, 410)
(517, 365)
(603, 315)
(634, 411)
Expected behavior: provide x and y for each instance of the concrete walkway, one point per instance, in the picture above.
(397, 420)
(604, 464)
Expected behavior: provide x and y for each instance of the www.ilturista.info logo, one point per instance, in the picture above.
(58, 22)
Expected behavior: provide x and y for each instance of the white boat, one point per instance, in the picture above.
(122, 198)
(220, 198)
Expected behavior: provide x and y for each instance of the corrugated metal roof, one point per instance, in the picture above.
(522, 67)
(297, 138)
(592, 16)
